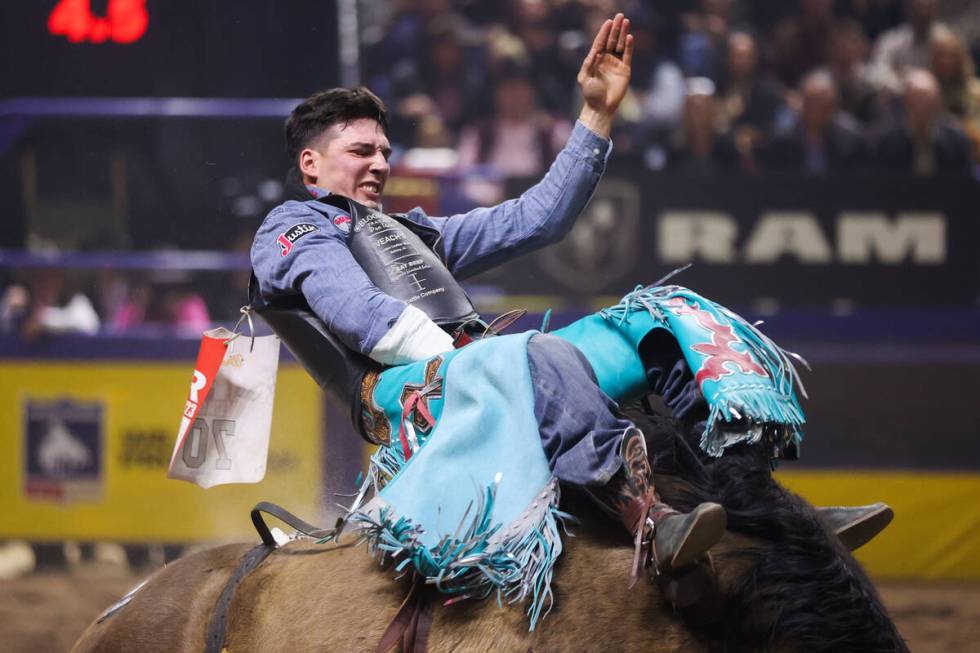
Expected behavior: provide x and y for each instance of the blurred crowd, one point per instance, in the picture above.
(805, 86)
(54, 301)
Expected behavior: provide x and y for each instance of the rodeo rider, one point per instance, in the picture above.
(306, 253)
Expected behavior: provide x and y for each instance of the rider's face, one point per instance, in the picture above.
(350, 159)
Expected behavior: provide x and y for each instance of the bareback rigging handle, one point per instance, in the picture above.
(287, 517)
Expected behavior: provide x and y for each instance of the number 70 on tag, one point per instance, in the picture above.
(195, 449)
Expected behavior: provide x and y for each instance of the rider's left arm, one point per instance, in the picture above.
(484, 238)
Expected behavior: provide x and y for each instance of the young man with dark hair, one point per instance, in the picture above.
(383, 291)
(338, 141)
(322, 129)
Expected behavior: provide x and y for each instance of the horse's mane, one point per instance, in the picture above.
(802, 587)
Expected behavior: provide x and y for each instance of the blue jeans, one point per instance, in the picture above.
(580, 426)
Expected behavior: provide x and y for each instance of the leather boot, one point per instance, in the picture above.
(673, 539)
(680, 539)
(855, 526)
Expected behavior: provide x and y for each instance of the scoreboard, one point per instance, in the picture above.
(125, 21)
(163, 48)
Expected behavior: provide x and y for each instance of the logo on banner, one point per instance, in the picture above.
(603, 245)
(853, 238)
(289, 237)
(63, 450)
(343, 223)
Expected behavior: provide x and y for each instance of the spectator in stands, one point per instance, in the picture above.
(903, 47)
(874, 16)
(533, 21)
(701, 46)
(185, 310)
(801, 43)
(392, 46)
(654, 104)
(131, 311)
(958, 84)
(964, 17)
(663, 91)
(520, 138)
(14, 302)
(439, 89)
(764, 15)
(697, 148)
(823, 140)
(166, 298)
(52, 304)
(747, 101)
(925, 142)
(847, 64)
(405, 31)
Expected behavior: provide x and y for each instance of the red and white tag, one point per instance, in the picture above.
(227, 418)
(209, 358)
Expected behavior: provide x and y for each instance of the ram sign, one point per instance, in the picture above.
(799, 242)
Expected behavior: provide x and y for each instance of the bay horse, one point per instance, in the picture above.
(783, 583)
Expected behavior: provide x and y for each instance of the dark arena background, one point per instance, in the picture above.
(815, 161)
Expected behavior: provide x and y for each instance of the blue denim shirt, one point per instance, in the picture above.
(301, 248)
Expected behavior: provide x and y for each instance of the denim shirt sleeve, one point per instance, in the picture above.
(319, 265)
(486, 237)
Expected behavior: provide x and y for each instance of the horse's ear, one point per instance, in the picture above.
(855, 526)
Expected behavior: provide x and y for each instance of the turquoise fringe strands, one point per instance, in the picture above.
(747, 380)
(481, 557)
(463, 494)
(473, 508)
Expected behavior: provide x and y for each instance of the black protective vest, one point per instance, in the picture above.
(401, 264)
(400, 258)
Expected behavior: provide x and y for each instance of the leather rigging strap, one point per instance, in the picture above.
(214, 639)
(412, 623)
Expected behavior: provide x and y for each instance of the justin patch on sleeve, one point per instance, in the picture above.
(289, 237)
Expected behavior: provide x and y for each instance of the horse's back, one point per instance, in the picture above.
(311, 597)
(170, 612)
(595, 610)
(302, 597)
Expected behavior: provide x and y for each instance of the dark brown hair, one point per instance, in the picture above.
(329, 107)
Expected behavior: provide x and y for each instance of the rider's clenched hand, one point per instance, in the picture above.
(605, 74)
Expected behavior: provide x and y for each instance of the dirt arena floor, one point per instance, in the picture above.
(42, 612)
